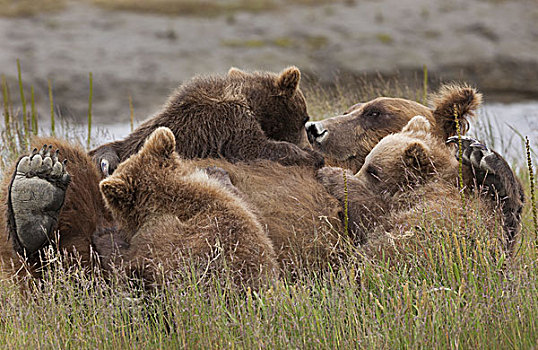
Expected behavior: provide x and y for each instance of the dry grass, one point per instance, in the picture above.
(206, 8)
(203, 8)
(22, 8)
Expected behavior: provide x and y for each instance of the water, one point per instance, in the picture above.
(502, 127)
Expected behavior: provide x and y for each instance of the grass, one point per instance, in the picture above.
(21, 8)
(202, 8)
(206, 8)
(313, 43)
(384, 38)
(439, 289)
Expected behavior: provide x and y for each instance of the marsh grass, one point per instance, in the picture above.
(439, 287)
(206, 8)
(327, 100)
(19, 8)
(202, 8)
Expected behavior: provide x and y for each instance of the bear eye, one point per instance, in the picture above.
(373, 114)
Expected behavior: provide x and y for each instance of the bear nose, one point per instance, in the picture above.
(316, 132)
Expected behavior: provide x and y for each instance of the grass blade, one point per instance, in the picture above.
(23, 102)
(34, 113)
(90, 111)
(52, 126)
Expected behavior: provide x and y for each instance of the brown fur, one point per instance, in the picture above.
(301, 218)
(304, 231)
(83, 211)
(241, 116)
(408, 178)
(193, 217)
(351, 136)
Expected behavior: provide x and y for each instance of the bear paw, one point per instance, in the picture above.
(489, 168)
(36, 195)
(316, 158)
(493, 173)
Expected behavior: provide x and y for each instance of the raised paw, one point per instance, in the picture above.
(36, 195)
(477, 154)
(491, 172)
(488, 167)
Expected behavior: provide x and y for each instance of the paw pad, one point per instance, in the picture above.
(37, 194)
(43, 164)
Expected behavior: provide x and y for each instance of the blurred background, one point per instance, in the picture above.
(143, 49)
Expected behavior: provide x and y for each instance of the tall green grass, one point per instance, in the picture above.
(441, 288)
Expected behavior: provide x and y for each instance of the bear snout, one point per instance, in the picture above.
(316, 132)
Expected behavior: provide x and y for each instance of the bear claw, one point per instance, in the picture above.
(476, 154)
(491, 171)
(36, 195)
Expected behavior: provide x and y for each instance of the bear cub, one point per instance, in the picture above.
(240, 117)
(172, 215)
(401, 183)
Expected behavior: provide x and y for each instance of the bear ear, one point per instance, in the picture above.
(116, 192)
(416, 158)
(454, 101)
(418, 124)
(161, 143)
(288, 81)
(237, 73)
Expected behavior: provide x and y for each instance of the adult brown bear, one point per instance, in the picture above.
(301, 218)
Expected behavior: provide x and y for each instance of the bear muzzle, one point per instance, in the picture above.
(316, 132)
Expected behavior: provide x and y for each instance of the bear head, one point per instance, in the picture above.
(408, 158)
(126, 193)
(345, 140)
(277, 102)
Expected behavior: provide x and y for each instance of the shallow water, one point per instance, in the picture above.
(502, 127)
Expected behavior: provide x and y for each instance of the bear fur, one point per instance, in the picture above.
(171, 212)
(408, 178)
(301, 218)
(240, 117)
(82, 214)
(345, 140)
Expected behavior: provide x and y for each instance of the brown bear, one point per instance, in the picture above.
(345, 141)
(170, 212)
(301, 218)
(240, 117)
(408, 178)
